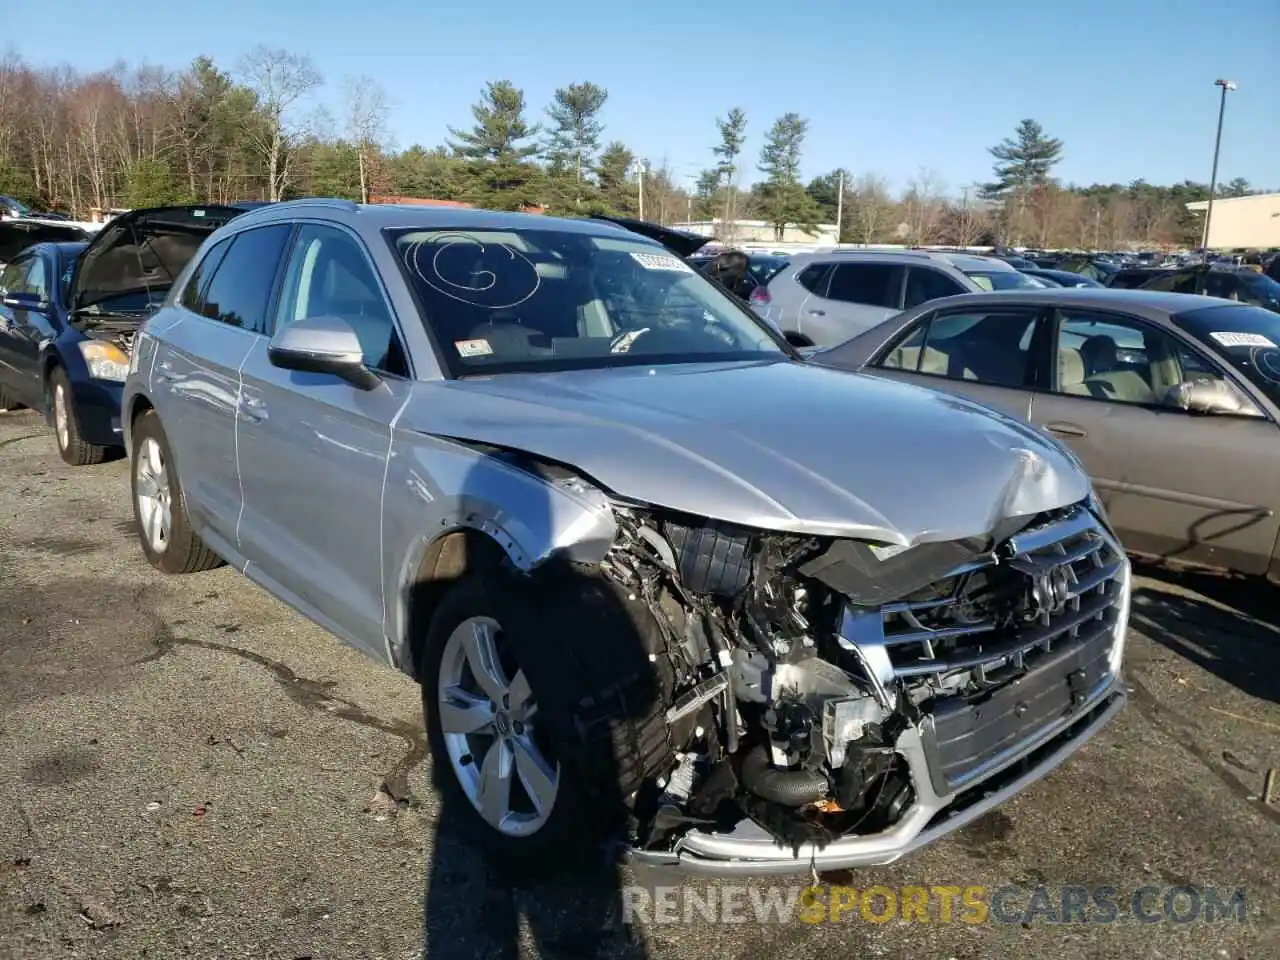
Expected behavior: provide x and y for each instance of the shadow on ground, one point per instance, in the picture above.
(1232, 632)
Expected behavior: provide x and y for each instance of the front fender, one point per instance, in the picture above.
(435, 487)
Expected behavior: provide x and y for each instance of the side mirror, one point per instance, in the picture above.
(322, 345)
(25, 301)
(1209, 396)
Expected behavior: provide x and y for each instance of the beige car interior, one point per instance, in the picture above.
(988, 351)
(1094, 369)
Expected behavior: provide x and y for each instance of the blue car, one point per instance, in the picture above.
(69, 312)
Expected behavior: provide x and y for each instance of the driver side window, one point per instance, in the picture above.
(328, 275)
(1123, 360)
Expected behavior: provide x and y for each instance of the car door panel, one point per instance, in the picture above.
(24, 334)
(313, 452)
(1192, 487)
(313, 448)
(195, 386)
(1177, 485)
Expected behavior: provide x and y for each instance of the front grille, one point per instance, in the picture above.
(1055, 582)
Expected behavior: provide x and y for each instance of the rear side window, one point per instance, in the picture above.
(872, 284)
(193, 293)
(814, 277)
(240, 292)
(924, 284)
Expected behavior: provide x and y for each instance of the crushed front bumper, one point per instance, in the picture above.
(749, 851)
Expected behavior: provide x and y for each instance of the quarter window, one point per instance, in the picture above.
(329, 275)
(240, 292)
(871, 284)
(989, 346)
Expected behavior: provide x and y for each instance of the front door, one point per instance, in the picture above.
(1187, 486)
(314, 448)
(985, 353)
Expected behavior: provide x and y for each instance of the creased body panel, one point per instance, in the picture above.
(778, 446)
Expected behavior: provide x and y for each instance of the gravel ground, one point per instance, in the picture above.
(190, 769)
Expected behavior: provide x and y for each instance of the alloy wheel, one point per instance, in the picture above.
(155, 515)
(61, 416)
(488, 717)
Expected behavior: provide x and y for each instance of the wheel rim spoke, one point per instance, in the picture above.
(482, 658)
(463, 712)
(495, 783)
(536, 775)
(522, 706)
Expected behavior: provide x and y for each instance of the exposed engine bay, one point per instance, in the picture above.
(797, 662)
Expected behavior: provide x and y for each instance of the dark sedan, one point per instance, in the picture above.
(69, 313)
(1171, 401)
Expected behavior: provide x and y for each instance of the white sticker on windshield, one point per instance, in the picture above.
(1233, 339)
(661, 261)
(473, 348)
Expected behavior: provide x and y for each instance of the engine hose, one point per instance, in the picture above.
(790, 788)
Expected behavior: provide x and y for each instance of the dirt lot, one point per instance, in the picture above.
(189, 769)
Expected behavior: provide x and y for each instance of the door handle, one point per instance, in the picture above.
(818, 313)
(1069, 430)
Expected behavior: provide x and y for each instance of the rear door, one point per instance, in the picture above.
(313, 448)
(195, 378)
(858, 295)
(1188, 486)
(989, 354)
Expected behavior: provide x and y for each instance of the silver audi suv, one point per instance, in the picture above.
(660, 579)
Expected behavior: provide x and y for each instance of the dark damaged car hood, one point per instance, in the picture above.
(776, 445)
(142, 252)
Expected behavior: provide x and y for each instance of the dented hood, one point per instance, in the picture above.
(775, 445)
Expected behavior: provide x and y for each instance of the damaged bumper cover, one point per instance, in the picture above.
(750, 850)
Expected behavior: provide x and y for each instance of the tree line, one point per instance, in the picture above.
(144, 136)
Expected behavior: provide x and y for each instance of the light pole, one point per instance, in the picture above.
(1217, 145)
(640, 184)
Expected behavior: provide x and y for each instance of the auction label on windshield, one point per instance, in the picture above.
(1234, 339)
(661, 261)
(473, 348)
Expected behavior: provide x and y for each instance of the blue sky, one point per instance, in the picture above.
(887, 87)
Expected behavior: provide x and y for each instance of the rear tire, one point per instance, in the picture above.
(159, 509)
(66, 432)
(579, 650)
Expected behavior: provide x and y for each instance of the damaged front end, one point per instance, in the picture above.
(839, 703)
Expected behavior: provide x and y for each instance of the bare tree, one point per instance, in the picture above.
(870, 207)
(924, 207)
(366, 123)
(280, 79)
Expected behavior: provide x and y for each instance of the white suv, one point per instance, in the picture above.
(822, 299)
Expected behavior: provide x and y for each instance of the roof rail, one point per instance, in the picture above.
(338, 202)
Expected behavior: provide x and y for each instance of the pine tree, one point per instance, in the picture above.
(1023, 160)
(498, 150)
(785, 200)
(733, 134)
(575, 137)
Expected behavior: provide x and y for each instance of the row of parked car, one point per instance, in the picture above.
(664, 578)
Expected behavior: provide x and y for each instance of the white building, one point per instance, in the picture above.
(1249, 223)
(760, 233)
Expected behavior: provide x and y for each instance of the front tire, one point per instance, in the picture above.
(544, 713)
(66, 431)
(159, 510)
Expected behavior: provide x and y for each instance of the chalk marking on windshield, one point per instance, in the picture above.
(469, 293)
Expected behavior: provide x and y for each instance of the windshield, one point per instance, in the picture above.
(1249, 337)
(16, 206)
(1003, 280)
(548, 299)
